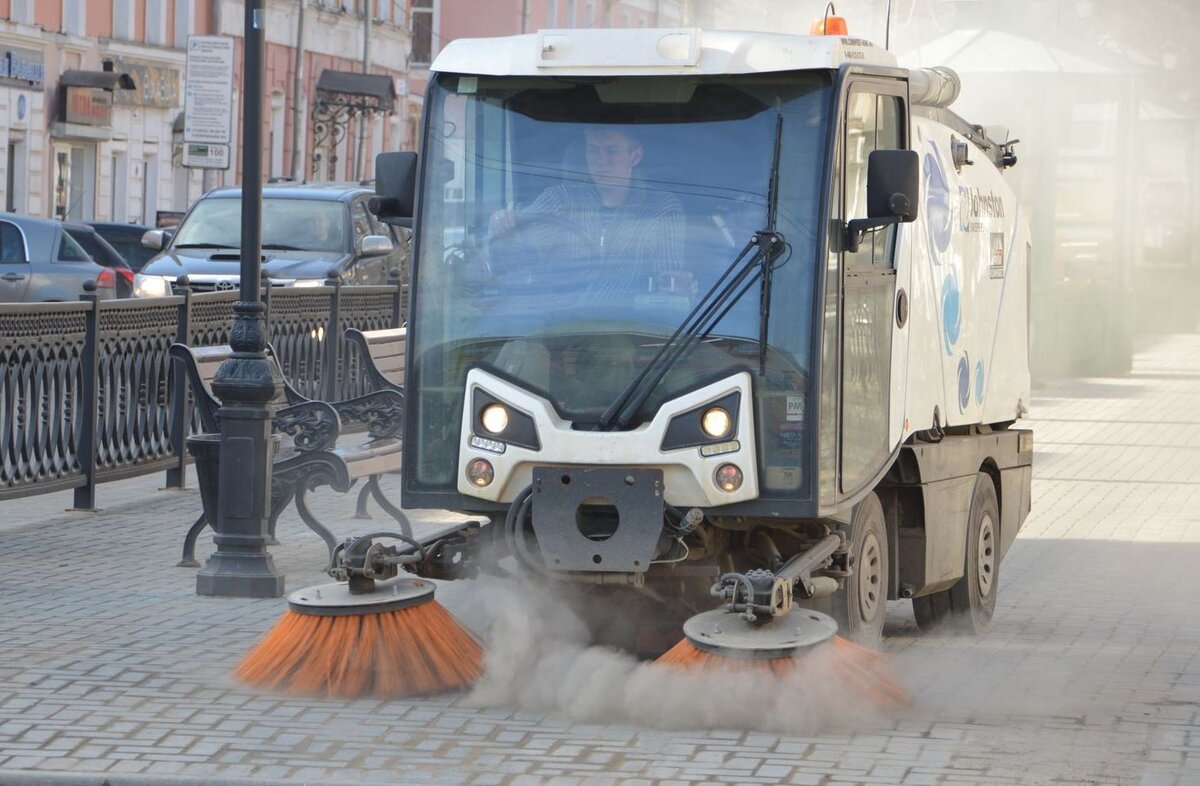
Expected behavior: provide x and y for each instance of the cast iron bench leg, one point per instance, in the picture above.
(311, 520)
(189, 544)
(392, 510)
(360, 507)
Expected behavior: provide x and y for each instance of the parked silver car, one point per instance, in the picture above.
(39, 261)
(309, 230)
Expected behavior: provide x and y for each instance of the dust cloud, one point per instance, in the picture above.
(539, 658)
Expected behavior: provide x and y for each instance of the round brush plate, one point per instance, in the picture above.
(335, 599)
(724, 633)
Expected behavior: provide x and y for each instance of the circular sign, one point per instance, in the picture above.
(21, 107)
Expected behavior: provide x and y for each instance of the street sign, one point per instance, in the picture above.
(208, 101)
(204, 156)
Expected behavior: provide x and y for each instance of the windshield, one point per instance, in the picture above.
(303, 224)
(568, 226)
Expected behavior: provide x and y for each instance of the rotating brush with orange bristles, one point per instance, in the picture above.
(759, 629)
(358, 637)
(721, 640)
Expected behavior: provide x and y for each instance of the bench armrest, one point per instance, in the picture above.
(312, 425)
(381, 411)
(376, 380)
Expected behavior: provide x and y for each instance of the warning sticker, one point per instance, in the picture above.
(996, 265)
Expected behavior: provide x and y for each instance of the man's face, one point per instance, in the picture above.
(611, 157)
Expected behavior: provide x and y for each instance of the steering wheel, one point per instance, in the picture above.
(522, 251)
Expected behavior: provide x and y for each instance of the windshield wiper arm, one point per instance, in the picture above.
(282, 247)
(728, 289)
(202, 245)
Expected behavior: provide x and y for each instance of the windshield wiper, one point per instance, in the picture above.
(712, 308)
(202, 245)
(724, 294)
(282, 247)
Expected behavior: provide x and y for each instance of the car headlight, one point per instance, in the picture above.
(309, 282)
(151, 286)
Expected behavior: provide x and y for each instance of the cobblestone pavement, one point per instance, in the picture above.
(112, 670)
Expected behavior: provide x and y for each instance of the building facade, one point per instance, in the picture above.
(92, 99)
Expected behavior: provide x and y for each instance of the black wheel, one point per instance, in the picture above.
(968, 606)
(861, 604)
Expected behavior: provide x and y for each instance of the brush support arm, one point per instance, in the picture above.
(762, 595)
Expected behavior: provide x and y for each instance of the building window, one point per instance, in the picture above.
(156, 21)
(123, 19)
(422, 32)
(185, 21)
(589, 15)
(552, 13)
(74, 17)
(625, 19)
(22, 11)
(570, 13)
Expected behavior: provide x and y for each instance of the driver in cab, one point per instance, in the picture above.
(615, 218)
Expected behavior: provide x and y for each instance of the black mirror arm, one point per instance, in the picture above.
(857, 228)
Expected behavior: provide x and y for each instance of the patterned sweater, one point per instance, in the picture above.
(644, 235)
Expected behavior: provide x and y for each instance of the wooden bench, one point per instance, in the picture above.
(308, 455)
(381, 354)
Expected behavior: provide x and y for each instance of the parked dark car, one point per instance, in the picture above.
(103, 254)
(40, 261)
(309, 230)
(127, 240)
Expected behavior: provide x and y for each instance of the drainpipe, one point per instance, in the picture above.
(298, 124)
(368, 12)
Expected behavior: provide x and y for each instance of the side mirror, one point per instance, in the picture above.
(395, 188)
(375, 246)
(893, 184)
(156, 239)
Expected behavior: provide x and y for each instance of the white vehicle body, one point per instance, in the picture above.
(901, 402)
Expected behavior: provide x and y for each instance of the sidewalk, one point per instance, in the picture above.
(113, 671)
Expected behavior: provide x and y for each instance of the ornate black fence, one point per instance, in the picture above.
(88, 393)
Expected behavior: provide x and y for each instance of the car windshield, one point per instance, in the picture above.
(568, 226)
(304, 224)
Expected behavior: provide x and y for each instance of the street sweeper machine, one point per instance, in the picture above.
(734, 321)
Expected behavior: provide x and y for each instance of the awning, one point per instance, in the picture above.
(107, 80)
(377, 89)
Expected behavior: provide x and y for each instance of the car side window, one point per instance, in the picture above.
(70, 251)
(362, 224)
(12, 245)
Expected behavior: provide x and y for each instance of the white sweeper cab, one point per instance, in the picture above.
(717, 318)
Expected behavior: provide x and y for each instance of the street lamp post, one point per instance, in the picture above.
(247, 383)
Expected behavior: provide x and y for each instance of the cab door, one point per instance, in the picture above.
(875, 118)
(14, 264)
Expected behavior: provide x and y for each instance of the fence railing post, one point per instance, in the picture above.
(331, 356)
(398, 304)
(85, 495)
(181, 401)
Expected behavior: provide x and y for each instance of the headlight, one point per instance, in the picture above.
(151, 286)
(494, 418)
(716, 422)
(308, 282)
